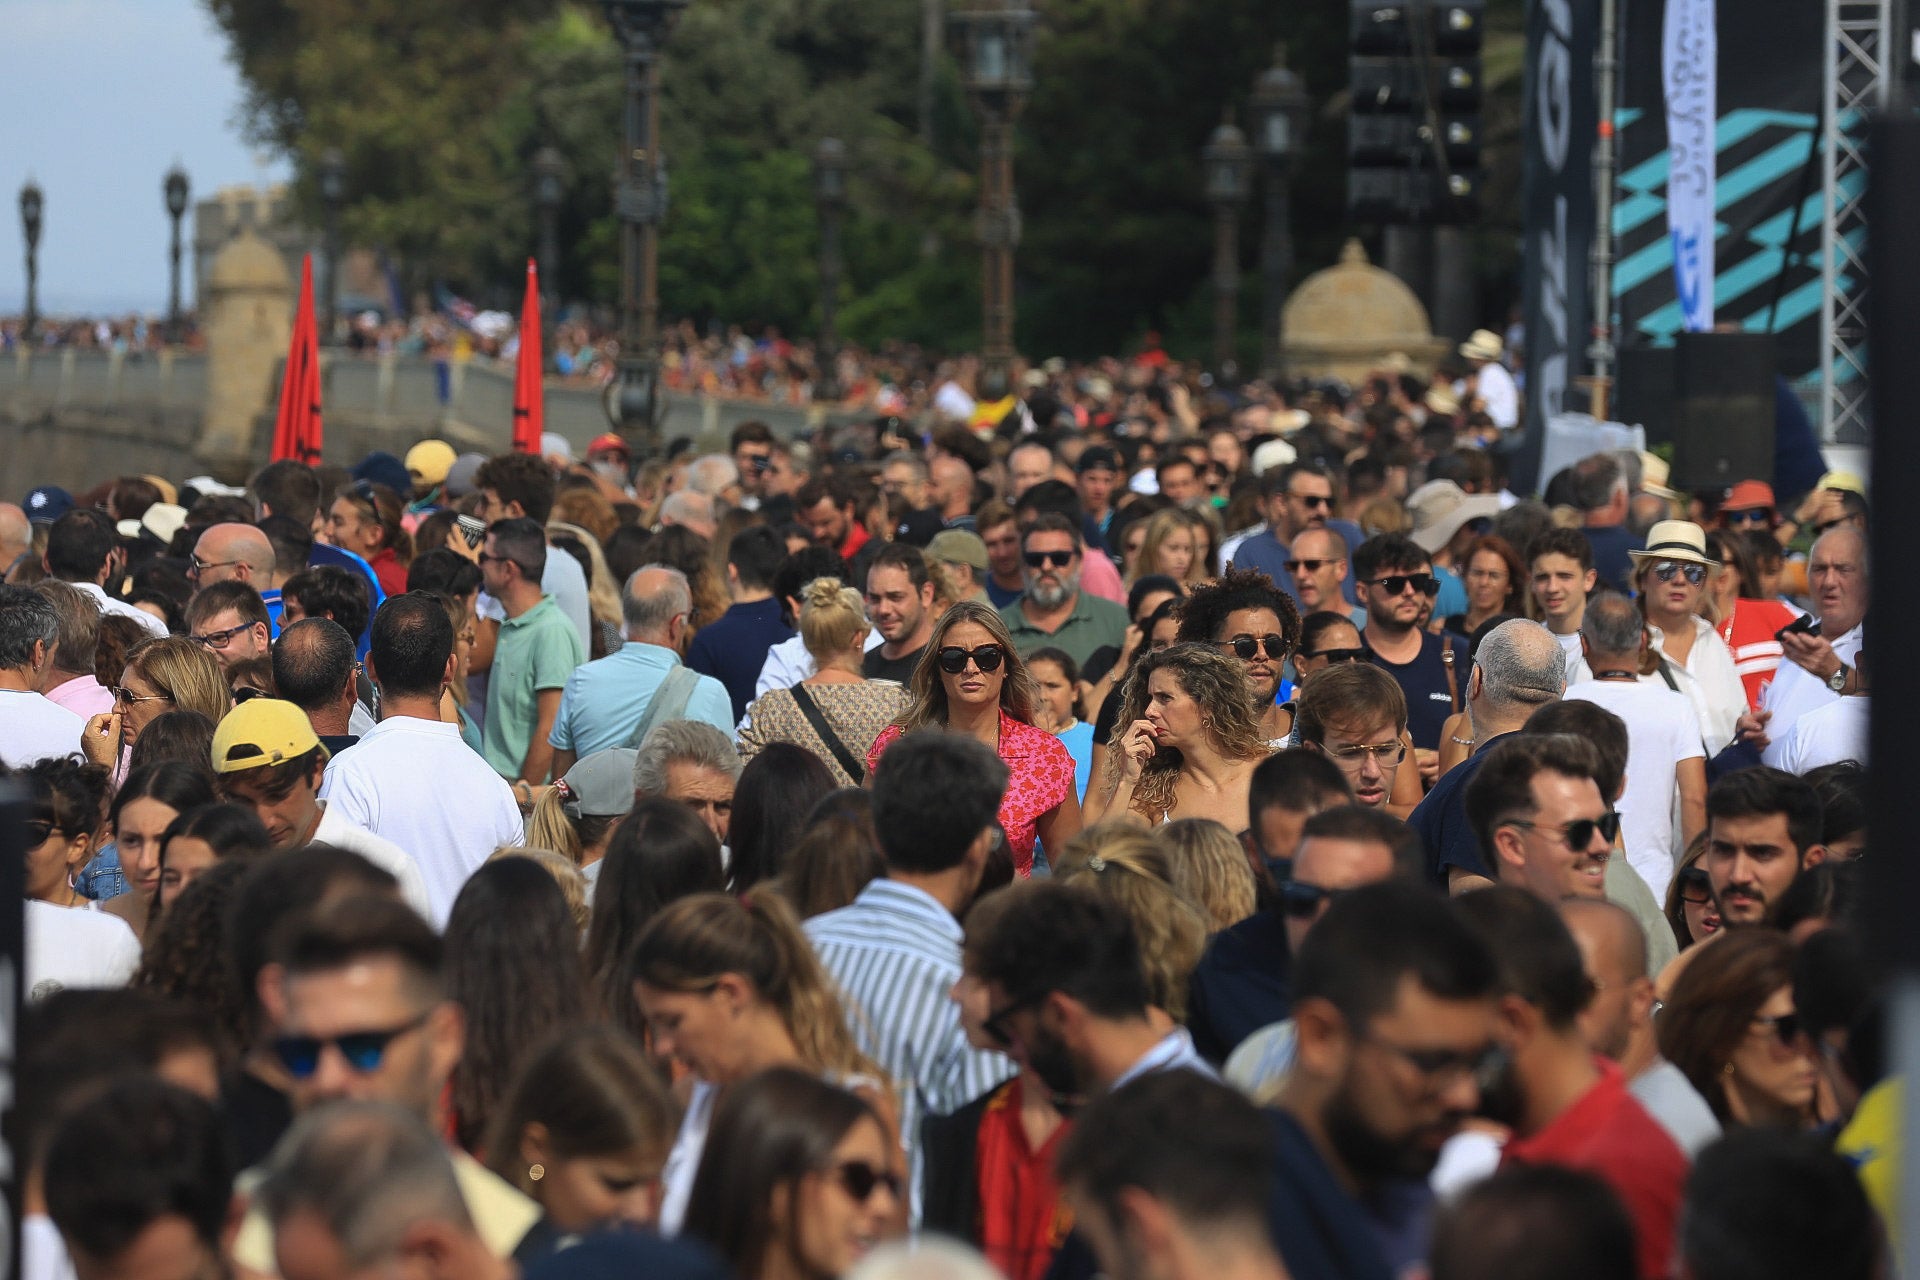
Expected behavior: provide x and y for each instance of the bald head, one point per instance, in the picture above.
(16, 534)
(234, 553)
(1610, 939)
(1521, 666)
(1618, 1019)
(655, 604)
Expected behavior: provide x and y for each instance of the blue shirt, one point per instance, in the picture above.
(1265, 552)
(1610, 559)
(605, 699)
(999, 595)
(1453, 593)
(275, 607)
(1079, 744)
(733, 648)
(1430, 699)
(1440, 820)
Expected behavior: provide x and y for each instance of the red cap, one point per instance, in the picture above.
(1747, 495)
(607, 443)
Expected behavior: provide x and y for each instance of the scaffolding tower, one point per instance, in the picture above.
(1858, 44)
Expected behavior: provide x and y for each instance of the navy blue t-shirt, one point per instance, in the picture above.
(733, 647)
(1430, 699)
(1610, 559)
(1440, 821)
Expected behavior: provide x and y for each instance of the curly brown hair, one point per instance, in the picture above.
(188, 957)
(1204, 615)
(1219, 684)
(1019, 693)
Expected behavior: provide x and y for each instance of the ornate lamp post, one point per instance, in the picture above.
(549, 188)
(176, 192)
(997, 59)
(1226, 159)
(1278, 113)
(830, 194)
(640, 199)
(333, 190)
(31, 204)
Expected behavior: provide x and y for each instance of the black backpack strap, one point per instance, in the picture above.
(811, 710)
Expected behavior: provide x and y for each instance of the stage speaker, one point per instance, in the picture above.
(1644, 395)
(1723, 409)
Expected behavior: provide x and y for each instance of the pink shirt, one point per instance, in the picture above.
(82, 695)
(1098, 577)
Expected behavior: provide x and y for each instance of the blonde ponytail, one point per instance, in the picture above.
(549, 827)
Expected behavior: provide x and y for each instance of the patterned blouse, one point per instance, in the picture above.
(855, 712)
(1040, 777)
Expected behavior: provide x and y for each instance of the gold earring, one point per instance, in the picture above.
(536, 1172)
(1727, 1070)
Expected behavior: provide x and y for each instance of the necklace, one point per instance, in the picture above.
(1621, 674)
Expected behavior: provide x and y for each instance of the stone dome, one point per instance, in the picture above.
(248, 264)
(1345, 320)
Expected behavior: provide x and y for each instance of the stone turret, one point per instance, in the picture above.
(247, 317)
(1349, 320)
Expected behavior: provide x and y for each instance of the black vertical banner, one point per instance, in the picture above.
(13, 963)
(1561, 122)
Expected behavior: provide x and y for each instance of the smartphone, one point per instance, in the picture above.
(1804, 625)
(473, 529)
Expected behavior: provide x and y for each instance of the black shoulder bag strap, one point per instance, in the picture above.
(811, 710)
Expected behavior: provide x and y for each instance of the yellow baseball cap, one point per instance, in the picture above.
(1846, 481)
(261, 732)
(429, 461)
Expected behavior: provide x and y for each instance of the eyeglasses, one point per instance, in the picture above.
(1303, 901)
(1695, 574)
(1754, 515)
(1579, 833)
(1441, 1067)
(129, 697)
(995, 1024)
(220, 639)
(1311, 566)
(1395, 583)
(953, 659)
(197, 566)
(1050, 559)
(363, 1050)
(1312, 499)
(1696, 886)
(1786, 1028)
(1246, 647)
(1338, 655)
(1353, 758)
(860, 1180)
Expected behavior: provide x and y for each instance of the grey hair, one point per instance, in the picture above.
(1866, 546)
(1612, 624)
(693, 742)
(27, 618)
(683, 505)
(369, 1171)
(712, 473)
(901, 457)
(929, 1258)
(1521, 664)
(650, 614)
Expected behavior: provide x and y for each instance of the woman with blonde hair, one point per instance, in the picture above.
(972, 680)
(164, 674)
(1210, 867)
(603, 593)
(836, 712)
(1170, 546)
(729, 987)
(1134, 869)
(1192, 740)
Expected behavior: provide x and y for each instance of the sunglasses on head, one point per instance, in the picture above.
(1050, 559)
(1246, 647)
(1695, 574)
(1395, 583)
(953, 659)
(363, 1050)
(860, 1180)
(1303, 901)
(1338, 655)
(1695, 886)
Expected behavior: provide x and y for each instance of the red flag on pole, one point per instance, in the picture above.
(529, 418)
(296, 430)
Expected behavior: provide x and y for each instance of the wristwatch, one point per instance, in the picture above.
(1838, 680)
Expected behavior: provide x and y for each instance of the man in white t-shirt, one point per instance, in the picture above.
(74, 947)
(411, 779)
(31, 728)
(1827, 735)
(83, 548)
(1665, 759)
(270, 760)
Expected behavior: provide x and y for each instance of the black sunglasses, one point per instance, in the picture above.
(1246, 647)
(953, 659)
(1312, 499)
(1338, 655)
(861, 1180)
(37, 829)
(1303, 901)
(1050, 559)
(1786, 1028)
(1311, 566)
(1579, 833)
(1696, 886)
(995, 1024)
(1393, 584)
(363, 1050)
(1751, 515)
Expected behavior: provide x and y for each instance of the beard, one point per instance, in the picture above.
(1050, 592)
(1373, 1157)
(1049, 1059)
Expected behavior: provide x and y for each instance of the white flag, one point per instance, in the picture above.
(1689, 53)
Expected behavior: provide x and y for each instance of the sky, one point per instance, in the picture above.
(98, 99)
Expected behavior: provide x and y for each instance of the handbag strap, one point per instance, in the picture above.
(669, 702)
(811, 710)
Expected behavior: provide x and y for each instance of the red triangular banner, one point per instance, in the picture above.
(296, 429)
(529, 417)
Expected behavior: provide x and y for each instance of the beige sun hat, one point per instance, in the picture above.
(1483, 344)
(1680, 540)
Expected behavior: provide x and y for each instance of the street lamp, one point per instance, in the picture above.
(1226, 159)
(549, 187)
(333, 189)
(31, 204)
(176, 192)
(997, 64)
(830, 194)
(640, 200)
(1278, 112)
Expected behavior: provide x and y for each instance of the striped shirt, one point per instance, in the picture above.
(896, 954)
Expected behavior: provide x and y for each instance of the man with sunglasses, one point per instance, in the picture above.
(1397, 586)
(1318, 564)
(1294, 498)
(1054, 609)
(229, 620)
(1540, 818)
(1566, 1105)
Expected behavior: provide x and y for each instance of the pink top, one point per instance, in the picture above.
(82, 695)
(1040, 776)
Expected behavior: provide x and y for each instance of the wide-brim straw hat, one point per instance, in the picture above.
(1680, 540)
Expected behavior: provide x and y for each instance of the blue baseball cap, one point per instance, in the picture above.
(47, 503)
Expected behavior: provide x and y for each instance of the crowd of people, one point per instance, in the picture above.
(1063, 835)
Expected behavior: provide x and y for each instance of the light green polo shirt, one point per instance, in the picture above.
(537, 650)
(1093, 624)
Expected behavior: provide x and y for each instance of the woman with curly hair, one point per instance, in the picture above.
(190, 959)
(1245, 615)
(972, 680)
(1191, 743)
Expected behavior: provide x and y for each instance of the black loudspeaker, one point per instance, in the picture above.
(1722, 409)
(1644, 396)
